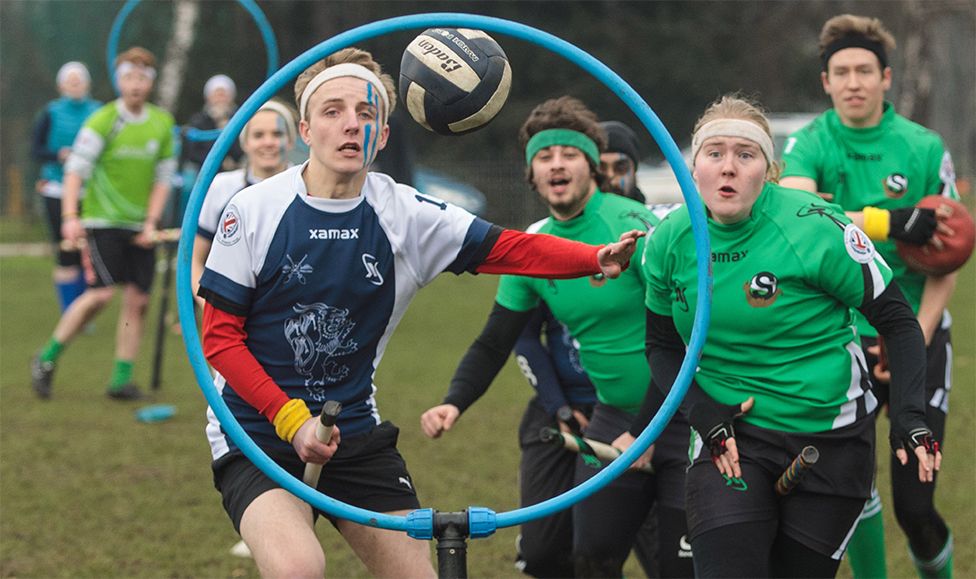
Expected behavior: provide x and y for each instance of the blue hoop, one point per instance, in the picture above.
(267, 33)
(419, 524)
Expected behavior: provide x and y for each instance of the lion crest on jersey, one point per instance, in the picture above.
(762, 290)
(318, 334)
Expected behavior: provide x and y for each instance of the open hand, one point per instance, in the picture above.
(615, 257)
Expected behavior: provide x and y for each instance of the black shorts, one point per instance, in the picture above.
(117, 261)
(52, 207)
(938, 375)
(820, 513)
(366, 472)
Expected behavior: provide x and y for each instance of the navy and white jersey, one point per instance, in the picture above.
(224, 186)
(322, 284)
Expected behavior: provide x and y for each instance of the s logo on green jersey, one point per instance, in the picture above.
(895, 185)
(762, 290)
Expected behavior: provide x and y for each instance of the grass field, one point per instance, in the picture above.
(86, 491)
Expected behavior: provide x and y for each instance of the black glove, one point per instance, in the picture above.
(915, 438)
(914, 225)
(713, 421)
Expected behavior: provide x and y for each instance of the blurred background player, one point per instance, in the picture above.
(782, 368)
(54, 132)
(125, 151)
(618, 162)
(286, 333)
(219, 106)
(266, 141)
(877, 165)
(562, 140)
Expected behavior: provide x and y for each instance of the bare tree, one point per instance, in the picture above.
(185, 15)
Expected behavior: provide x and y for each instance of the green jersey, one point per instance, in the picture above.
(605, 316)
(121, 155)
(889, 166)
(785, 282)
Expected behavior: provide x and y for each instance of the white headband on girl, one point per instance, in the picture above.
(73, 67)
(283, 112)
(733, 128)
(126, 67)
(340, 70)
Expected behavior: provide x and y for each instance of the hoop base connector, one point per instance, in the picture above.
(451, 531)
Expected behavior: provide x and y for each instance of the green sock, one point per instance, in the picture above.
(121, 374)
(51, 350)
(866, 549)
(940, 567)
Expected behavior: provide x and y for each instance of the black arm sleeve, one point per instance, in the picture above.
(39, 150)
(486, 356)
(891, 315)
(665, 353)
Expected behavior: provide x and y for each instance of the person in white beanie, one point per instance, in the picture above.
(219, 94)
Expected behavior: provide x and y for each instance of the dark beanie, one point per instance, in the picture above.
(620, 139)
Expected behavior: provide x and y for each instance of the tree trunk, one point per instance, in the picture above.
(185, 15)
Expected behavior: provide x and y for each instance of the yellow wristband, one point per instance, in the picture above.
(290, 418)
(877, 223)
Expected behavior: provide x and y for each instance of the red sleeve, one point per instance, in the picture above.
(540, 255)
(224, 347)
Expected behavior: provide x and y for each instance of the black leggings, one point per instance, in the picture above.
(756, 550)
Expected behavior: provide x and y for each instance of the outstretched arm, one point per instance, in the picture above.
(548, 256)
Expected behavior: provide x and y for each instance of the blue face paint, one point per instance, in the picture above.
(369, 143)
(282, 126)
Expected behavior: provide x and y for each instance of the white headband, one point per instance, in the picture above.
(73, 67)
(733, 128)
(283, 112)
(126, 67)
(345, 69)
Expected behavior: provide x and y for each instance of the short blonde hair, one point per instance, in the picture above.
(136, 55)
(351, 56)
(737, 106)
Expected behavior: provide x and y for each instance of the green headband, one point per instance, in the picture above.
(563, 137)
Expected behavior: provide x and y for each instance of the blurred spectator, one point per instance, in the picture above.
(218, 107)
(54, 131)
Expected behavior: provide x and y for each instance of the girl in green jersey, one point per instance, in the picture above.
(782, 362)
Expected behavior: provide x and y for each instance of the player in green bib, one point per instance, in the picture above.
(125, 151)
(781, 362)
(877, 165)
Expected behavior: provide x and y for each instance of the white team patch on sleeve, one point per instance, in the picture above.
(947, 171)
(858, 245)
(230, 228)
